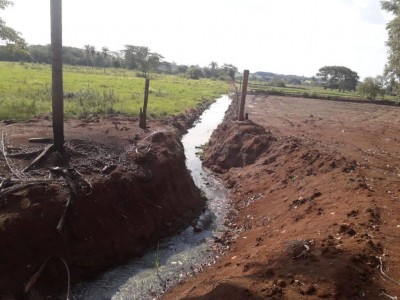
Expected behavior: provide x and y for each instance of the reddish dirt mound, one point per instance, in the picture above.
(141, 192)
(236, 144)
(317, 211)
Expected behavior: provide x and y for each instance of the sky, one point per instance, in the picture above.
(280, 36)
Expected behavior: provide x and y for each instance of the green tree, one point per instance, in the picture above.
(182, 69)
(140, 57)
(338, 77)
(229, 70)
(392, 68)
(213, 69)
(104, 52)
(90, 52)
(194, 72)
(370, 87)
(11, 38)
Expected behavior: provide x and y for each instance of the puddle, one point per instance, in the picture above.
(178, 256)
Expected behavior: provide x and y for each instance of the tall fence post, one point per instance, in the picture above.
(57, 74)
(243, 98)
(143, 113)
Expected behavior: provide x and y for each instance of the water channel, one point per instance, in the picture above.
(179, 255)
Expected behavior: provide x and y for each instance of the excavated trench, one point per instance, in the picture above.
(184, 254)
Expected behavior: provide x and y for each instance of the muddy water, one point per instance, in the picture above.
(180, 256)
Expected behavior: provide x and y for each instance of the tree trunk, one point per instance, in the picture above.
(57, 74)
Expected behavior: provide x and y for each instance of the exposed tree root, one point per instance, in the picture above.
(48, 149)
(19, 187)
(36, 276)
(4, 152)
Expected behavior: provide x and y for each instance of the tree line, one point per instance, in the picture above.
(132, 57)
(14, 48)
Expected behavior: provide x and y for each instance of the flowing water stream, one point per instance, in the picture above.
(147, 277)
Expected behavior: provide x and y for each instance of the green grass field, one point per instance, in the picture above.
(25, 91)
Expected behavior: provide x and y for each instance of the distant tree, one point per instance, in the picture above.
(104, 52)
(87, 54)
(140, 57)
(151, 62)
(117, 59)
(213, 69)
(165, 67)
(9, 53)
(392, 68)
(90, 52)
(369, 88)
(229, 70)
(295, 81)
(194, 72)
(73, 56)
(383, 84)
(338, 77)
(209, 73)
(182, 69)
(8, 36)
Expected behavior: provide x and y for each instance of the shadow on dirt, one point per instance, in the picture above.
(330, 273)
(227, 291)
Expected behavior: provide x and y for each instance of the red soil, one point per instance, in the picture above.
(308, 172)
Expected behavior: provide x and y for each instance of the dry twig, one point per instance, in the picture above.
(148, 148)
(4, 152)
(390, 297)
(24, 154)
(36, 276)
(61, 222)
(19, 187)
(383, 273)
(46, 150)
(4, 182)
(73, 178)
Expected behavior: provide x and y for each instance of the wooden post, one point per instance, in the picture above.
(243, 98)
(57, 74)
(143, 113)
(240, 88)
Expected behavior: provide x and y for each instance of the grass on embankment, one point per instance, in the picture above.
(25, 91)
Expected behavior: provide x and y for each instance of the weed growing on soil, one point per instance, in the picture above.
(26, 91)
(157, 259)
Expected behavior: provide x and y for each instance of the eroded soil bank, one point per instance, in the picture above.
(128, 189)
(316, 187)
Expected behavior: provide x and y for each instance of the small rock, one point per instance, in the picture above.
(281, 283)
(276, 290)
(310, 290)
